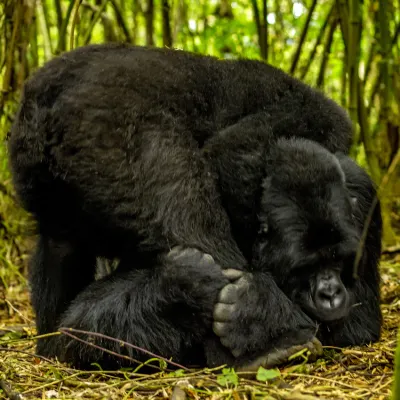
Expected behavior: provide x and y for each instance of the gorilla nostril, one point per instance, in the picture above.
(330, 297)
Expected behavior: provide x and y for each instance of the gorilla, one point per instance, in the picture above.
(224, 189)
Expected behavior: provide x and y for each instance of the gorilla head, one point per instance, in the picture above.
(310, 225)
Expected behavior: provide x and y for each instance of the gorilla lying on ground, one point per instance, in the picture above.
(126, 152)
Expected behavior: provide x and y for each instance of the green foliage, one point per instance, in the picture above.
(228, 377)
(264, 375)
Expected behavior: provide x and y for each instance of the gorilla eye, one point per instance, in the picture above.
(263, 229)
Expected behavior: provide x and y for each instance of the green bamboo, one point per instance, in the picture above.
(77, 3)
(343, 86)
(326, 53)
(384, 65)
(94, 20)
(121, 21)
(378, 78)
(62, 35)
(296, 56)
(306, 68)
(353, 58)
(44, 30)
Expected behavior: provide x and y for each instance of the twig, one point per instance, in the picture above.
(7, 389)
(391, 250)
(67, 331)
(8, 350)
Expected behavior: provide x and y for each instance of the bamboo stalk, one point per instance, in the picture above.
(257, 20)
(57, 6)
(9, 66)
(166, 24)
(62, 37)
(378, 78)
(121, 21)
(371, 156)
(303, 35)
(44, 30)
(304, 70)
(353, 54)
(264, 32)
(326, 53)
(96, 17)
(343, 88)
(384, 66)
(77, 3)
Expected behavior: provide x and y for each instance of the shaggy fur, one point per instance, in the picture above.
(125, 152)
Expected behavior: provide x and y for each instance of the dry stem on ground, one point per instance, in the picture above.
(352, 373)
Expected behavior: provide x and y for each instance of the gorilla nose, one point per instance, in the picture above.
(330, 296)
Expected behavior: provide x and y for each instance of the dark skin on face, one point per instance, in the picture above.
(310, 221)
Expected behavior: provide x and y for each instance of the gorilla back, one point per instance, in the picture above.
(102, 126)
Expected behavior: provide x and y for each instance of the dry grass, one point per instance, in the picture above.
(353, 373)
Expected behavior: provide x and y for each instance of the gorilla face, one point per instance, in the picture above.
(309, 235)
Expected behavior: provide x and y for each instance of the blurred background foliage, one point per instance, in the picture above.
(350, 49)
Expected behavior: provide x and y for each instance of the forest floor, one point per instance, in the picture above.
(350, 373)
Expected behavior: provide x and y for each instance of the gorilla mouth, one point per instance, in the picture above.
(325, 314)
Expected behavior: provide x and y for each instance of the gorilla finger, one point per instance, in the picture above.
(316, 346)
(228, 294)
(232, 274)
(175, 251)
(236, 353)
(225, 341)
(220, 328)
(224, 312)
(208, 258)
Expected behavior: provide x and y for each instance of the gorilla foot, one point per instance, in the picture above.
(281, 356)
(252, 317)
(181, 255)
(227, 305)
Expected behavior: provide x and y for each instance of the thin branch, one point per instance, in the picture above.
(378, 78)
(62, 36)
(257, 20)
(304, 70)
(326, 53)
(353, 59)
(67, 331)
(121, 21)
(17, 21)
(8, 391)
(149, 17)
(303, 35)
(166, 24)
(77, 3)
(98, 11)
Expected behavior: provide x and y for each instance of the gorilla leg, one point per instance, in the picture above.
(59, 270)
(166, 309)
(259, 324)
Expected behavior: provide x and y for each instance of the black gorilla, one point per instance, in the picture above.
(127, 152)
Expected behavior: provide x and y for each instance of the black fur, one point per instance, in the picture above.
(118, 152)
